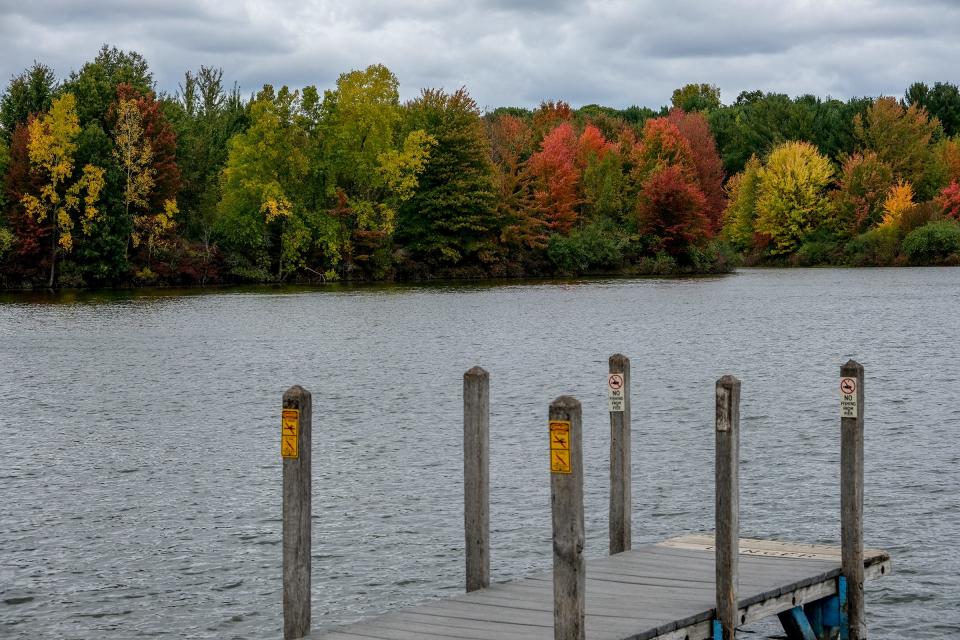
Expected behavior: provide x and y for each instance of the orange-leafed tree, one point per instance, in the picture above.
(555, 173)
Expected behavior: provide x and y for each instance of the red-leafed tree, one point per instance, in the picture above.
(556, 175)
(30, 256)
(672, 208)
(695, 129)
(949, 200)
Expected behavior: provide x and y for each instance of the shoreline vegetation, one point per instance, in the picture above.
(106, 183)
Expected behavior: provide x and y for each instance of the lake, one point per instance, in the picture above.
(139, 448)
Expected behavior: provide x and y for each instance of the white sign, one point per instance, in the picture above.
(616, 393)
(848, 398)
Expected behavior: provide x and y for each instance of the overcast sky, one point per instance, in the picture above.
(507, 52)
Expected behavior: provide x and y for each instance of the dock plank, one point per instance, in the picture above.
(664, 590)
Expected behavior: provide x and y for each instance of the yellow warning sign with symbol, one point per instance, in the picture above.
(289, 433)
(559, 446)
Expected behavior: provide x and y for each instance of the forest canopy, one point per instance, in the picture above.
(106, 181)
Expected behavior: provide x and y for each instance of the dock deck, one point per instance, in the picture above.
(664, 590)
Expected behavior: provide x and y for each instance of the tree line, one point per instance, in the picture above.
(106, 182)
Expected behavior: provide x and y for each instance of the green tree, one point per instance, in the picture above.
(738, 219)
(452, 217)
(696, 97)
(262, 218)
(941, 102)
(364, 158)
(205, 117)
(95, 85)
(29, 93)
(792, 198)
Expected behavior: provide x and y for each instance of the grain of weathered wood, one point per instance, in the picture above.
(620, 474)
(296, 520)
(566, 497)
(851, 505)
(476, 477)
(653, 591)
(727, 502)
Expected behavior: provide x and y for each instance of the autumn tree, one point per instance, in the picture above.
(556, 175)
(673, 210)
(863, 185)
(942, 101)
(64, 198)
(792, 195)
(602, 182)
(897, 204)
(949, 201)
(511, 144)
(452, 216)
(706, 161)
(900, 137)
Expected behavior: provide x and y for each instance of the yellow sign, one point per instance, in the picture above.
(559, 446)
(289, 433)
(559, 461)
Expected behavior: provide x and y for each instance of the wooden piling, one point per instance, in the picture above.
(727, 503)
(618, 391)
(295, 448)
(566, 497)
(476, 477)
(851, 494)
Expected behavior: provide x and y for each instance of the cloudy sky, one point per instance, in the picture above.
(510, 52)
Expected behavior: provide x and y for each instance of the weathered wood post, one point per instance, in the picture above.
(295, 439)
(618, 401)
(851, 494)
(727, 503)
(476, 476)
(566, 498)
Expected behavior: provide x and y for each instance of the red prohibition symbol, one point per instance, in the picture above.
(848, 386)
(616, 381)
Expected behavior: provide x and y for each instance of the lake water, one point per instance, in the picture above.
(140, 471)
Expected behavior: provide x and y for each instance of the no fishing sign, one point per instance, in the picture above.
(848, 398)
(615, 392)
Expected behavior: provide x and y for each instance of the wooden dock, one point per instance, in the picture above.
(692, 587)
(664, 591)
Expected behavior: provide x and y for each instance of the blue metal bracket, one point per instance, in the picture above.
(796, 625)
(717, 630)
(844, 621)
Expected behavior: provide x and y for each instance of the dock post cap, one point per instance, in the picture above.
(476, 372)
(565, 402)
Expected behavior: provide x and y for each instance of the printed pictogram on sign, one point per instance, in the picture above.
(559, 446)
(615, 381)
(289, 433)
(848, 385)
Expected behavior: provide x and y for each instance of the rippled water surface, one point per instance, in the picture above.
(140, 472)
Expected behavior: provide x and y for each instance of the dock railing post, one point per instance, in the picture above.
(727, 503)
(476, 477)
(295, 449)
(851, 495)
(566, 497)
(618, 400)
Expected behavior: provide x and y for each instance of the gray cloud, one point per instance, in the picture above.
(509, 52)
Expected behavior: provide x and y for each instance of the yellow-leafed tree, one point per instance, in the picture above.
(64, 198)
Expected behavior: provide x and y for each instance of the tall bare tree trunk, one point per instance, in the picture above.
(53, 255)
